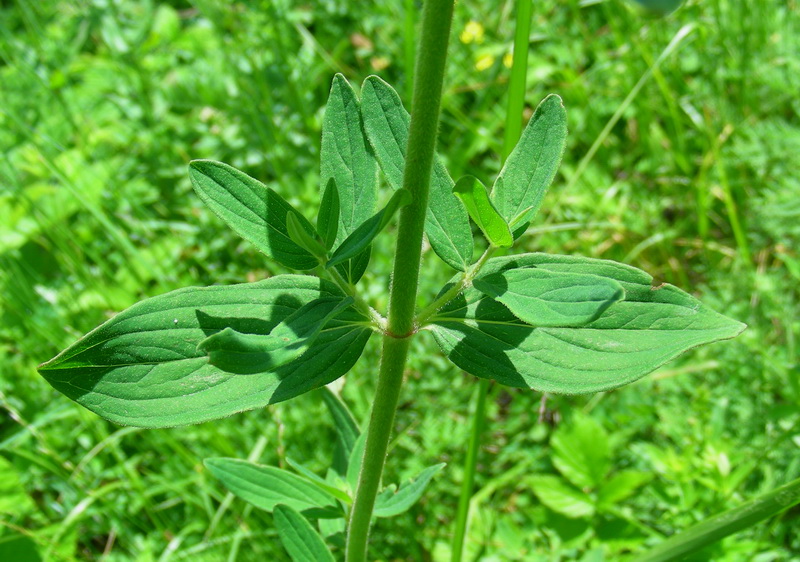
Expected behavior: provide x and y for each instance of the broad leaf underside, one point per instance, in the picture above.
(630, 339)
(143, 367)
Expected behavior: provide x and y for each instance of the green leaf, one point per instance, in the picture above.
(530, 168)
(13, 499)
(239, 353)
(551, 299)
(581, 452)
(347, 159)
(143, 368)
(299, 538)
(254, 211)
(267, 486)
(660, 8)
(386, 123)
(684, 543)
(17, 547)
(328, 217)
(629, 340)
(395, 503)
(346, 430)
(360, 239)
(620, 487)
(319, 481)
(475, 198)
(561, 497)
(355, 461)
(299, 236)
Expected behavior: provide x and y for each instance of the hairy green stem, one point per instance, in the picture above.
(437, 16)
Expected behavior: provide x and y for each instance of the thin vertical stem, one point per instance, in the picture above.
(437, 16)
(519, 75)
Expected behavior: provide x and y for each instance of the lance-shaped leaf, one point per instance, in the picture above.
(390, 503)
(473, 194)
(254, 211)
(267, 486)
(302, 238)
(319, 481)
(532, 165)
(143, 368)
(386, 123)
(298, 537)
(247, 354)
(630, 339)
(550, 298)
(347, 159)
(362, 237)
(346, 430)
(328, 217)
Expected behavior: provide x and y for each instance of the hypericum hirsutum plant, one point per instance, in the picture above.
(552, 323)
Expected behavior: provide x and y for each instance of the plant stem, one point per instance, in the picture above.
(476, 430)
(516, 104)
(519, 75)
(437, 16)
(453, 292)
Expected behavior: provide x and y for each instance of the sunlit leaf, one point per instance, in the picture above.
(143, 368)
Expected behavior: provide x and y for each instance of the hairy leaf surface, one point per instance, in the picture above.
(362, 237)
(235, 352)
(386, 122)
(549, 298)
(254, 211)
(298, 537)
(143, 367)
(532, 165)
(473, 193)
(630, 339)
(348, 166)
(267, 486)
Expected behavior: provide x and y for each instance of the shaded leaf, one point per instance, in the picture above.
(475, 198)
(299, 236)
(360, 239)
(394, 503)
(299, 538)
(630, 339)
(254, 211)
(328, 217)
(240, 353)
(347, 159)
(547, 298)
(530, 168)
(267, 486)
(386, 123)
(143, 368)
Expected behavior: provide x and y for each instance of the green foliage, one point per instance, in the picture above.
(299, 538)
(156, 342)
(630, 339)
(386, 125)
(480, 208)
(99, 212)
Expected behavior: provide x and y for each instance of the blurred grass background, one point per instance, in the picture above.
(689, 170)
